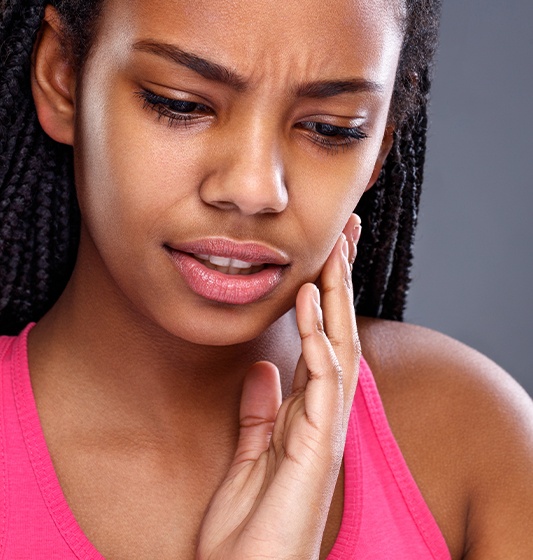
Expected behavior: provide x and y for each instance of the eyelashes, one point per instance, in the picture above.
(331, 136)
(174, 111)
(177, 112)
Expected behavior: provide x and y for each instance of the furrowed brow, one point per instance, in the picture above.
(209, 70)
(331, 88)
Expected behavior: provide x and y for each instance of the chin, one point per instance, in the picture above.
(218, 328)
(214, 337)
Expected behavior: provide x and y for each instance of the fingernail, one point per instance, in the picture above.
(356, 230)
(356, 234)
(345, 247)
(316, 295)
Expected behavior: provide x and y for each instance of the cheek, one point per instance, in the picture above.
(323, 195)
(132, 172)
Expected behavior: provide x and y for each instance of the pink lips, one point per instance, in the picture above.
(227, 288)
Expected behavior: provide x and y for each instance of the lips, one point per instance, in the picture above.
(226, 248)
(228, 285)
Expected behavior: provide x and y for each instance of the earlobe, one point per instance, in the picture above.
(53, 81)
(386, 145)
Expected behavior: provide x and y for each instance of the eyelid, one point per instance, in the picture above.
(326, 135)
(340, 138)
(170, 110)
(177, 90)
(153, 98)
(352, 131)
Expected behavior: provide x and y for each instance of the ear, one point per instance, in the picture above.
(386, 145)
(53, 82)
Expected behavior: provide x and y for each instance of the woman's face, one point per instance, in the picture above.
(204, 126)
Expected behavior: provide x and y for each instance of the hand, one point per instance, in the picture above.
(274, 501)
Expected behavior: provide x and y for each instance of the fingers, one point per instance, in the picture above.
(352, 231)
(318, 370)
(260, 402)
(337, 306)
(328, 367)
(310, 324)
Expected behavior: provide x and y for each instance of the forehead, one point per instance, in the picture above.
(317, 38)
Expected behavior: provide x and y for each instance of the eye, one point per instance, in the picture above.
(175, 111)
(333, 137)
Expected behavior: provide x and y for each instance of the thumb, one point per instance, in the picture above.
(260, 402)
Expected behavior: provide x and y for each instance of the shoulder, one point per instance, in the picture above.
(465, 428)
(424, 362)
(430, 373)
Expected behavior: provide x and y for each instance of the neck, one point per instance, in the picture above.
(121, 366)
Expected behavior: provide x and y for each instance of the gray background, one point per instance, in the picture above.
(473, 272)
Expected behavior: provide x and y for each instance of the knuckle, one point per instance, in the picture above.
(335, 341)
(328, 288)
(313, 374)
(310, 331)
(251, 421)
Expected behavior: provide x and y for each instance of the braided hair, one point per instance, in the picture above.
(39, 215)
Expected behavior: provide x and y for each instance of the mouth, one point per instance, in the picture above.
(227, 272)
(229, 266)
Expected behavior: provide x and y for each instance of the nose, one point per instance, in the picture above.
(247, 175)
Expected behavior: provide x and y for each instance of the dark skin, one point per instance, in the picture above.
(141, 408)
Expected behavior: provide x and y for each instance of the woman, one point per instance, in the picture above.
(190, 392)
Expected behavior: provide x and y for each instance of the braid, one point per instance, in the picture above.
(389, 210)
(39, 215)
(395, 296)
(389, 214)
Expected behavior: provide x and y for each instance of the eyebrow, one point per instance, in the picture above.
(216, 72)
(207, 69)
(330, 88)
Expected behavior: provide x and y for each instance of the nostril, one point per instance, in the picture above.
(269, 211)
(223, 204)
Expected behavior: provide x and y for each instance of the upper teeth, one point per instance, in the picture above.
(223, 261)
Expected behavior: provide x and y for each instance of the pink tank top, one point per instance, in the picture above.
(384, 517)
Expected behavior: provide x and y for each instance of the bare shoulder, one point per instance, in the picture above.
(417, 361)
(465, 428)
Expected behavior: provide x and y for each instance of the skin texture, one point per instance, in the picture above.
(151, 374)
(205, 185)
